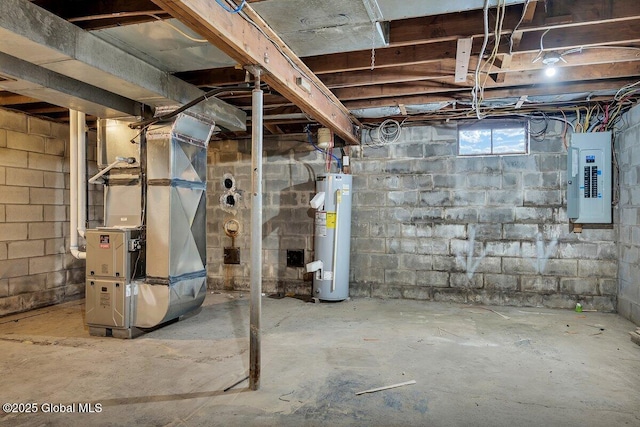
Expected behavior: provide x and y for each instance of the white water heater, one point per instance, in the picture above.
(332, 237)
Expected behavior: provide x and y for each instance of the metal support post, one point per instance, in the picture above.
(256, 235)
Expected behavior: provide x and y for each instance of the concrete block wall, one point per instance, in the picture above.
(35, 267)
(290, 168)
(627, 148)
(430, 225)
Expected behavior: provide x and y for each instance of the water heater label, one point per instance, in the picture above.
(331, 220)
(128, 291)
(321, 224)
(328, 275)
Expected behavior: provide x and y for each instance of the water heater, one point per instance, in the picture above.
(332, 244)
(589, 178)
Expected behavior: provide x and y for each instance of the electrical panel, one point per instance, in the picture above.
(589, 178)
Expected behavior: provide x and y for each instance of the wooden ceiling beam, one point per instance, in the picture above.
(447, 84)
(448, 27)
(256, 44)
(496, 93)
(10, 98)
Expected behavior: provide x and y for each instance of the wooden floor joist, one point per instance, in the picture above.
(256, 44)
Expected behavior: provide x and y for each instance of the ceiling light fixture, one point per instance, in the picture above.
(550, 60)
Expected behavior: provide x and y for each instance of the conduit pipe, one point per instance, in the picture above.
(82, 174)
(74, 170)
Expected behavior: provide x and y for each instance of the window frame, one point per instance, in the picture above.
(493, 124)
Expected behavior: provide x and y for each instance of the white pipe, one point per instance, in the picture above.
(82, 174)
(335, 240)
(73, 170)
(128, 160)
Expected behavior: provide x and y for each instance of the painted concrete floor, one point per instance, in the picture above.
(472, 367)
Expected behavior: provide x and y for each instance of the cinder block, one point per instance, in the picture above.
(559, 301)
(384, 290)
(559, 267)
(578, 250)
(503, 282)
(370, 244)
(359, 290)
(14, 195)
(510, 197)
(45, 162)
(14, 268)
(421, 215)
(3, 175)
(608, 286)
(385, 261)
(518, 163)
(447, 263)
(541, 284)
(436, 198)
(397, 166)
(395, 214)
(10, 305)
(582, 286)
(2, 213)
(4, 289)
(13, 231)
(469, 198)
(45, 230)
(57, 278)
(518, 266)
(54, 179)
(368, 198)
(3, 138)
(449, 295)
(437, 279)
(25, 142)
(26, 249)
(496, 215)
(462, 280)
(13, 121)
(488, 231)
(597, 268)
(401, 198)
(484, 181)
(440, 150)
(450, 231)
(46, 196)
(38, 127)
(3, 251)
(511, 181)
(25, 177)
(26, 284)
(432, 166)
(520, 231)
(485, 297)
(408, 150)
(542, 198)
(61, 131)
(24, 213)
(502, 249)
(433, 246)
(55, 213)
(548, 162)
(414, 261)
(400, 277)
(396, 246)
(463, 215)
(416, 292)
(533, 214)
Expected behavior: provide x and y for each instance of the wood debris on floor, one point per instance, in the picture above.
(635, 336)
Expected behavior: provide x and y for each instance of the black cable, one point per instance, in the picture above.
(207, 95)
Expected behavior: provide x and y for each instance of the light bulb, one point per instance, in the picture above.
(550, 71)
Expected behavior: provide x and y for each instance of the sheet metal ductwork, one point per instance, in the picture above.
(163, 275)
(176, 220)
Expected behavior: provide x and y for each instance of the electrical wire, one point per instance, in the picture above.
(476, 84)
(237, 9)
(328, 153)
(524, 11)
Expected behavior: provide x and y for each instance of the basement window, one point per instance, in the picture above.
(493, 138)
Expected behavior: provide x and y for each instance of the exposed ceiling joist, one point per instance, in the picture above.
(35, 35)
(258, 45)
